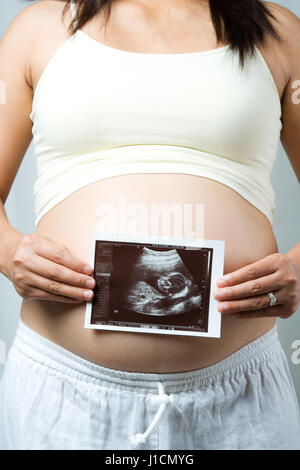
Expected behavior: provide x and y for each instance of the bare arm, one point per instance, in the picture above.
(290, 135)
(38, 267)
(243, 292)
(15, 125)
(288, 27)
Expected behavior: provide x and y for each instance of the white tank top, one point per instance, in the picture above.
(99, 112)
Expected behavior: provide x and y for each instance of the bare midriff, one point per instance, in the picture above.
(228, 216)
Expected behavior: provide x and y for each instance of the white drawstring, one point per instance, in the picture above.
(164, 400)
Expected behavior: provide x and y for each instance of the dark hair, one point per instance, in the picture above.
(240, 23)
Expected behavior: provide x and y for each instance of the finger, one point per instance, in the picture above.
(37, 294)
(247, 289)
(277, 311)
(251, 271)
(57, 272)
(258, 302)
(62, 289)
(61, 255)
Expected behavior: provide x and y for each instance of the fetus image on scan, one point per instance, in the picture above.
(160, 284)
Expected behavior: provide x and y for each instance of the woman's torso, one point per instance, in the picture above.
(247, 233)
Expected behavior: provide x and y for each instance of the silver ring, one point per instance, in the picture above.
(272, 298)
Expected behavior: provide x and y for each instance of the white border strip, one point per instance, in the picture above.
(214, 320)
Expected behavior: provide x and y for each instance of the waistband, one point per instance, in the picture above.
(61, 361)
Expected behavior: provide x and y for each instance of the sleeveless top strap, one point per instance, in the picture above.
(74, 13)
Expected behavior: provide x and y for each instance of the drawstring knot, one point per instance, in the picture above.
(164, 400)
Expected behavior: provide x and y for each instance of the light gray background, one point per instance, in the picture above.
(20, 212)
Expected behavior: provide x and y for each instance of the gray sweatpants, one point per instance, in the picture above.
(53, 399)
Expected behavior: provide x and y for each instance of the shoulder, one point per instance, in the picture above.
(35, 16)
(36, 21)
(33, 31)
(280, 12)
(286, 23)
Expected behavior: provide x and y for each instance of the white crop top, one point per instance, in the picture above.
(99, 112)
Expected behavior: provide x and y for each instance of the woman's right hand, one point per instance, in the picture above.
(42, 269)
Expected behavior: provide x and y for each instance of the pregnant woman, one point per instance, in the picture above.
(180, 101)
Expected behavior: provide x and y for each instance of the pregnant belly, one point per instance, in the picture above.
(221, 215)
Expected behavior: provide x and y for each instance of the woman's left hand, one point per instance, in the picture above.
(244, 292)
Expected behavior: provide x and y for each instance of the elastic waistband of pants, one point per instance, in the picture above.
(39, 349)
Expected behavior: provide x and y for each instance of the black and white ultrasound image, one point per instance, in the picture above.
(148, 285)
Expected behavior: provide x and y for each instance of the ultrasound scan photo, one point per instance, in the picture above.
(158, 287)
(161, 284)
